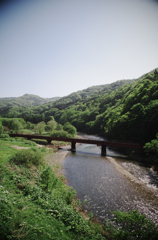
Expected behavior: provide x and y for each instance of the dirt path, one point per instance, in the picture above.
(18, 148)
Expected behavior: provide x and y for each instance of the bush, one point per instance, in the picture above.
(132, 226)
(28, 157)
(1, 128)
(13, 123)
(30, 125)
(61, 133)
(151, 149)
(70, 128)
(6, 213)
(5, 136)
(48, 179)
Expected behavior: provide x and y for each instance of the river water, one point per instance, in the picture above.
(106, 184)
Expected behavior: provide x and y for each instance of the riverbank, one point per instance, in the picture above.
(152, 192)
(35, 203)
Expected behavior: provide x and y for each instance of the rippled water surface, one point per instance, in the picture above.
(104, 189)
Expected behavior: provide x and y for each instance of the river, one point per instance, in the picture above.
(106, 184)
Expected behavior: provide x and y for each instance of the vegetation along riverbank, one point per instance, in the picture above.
(35, 203)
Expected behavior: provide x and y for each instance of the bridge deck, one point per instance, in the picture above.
(76, 140)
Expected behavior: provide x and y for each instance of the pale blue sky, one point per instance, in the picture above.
(56, 47)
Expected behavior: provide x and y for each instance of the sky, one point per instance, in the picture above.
(55, 47)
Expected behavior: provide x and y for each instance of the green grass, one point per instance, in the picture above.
(34, 203)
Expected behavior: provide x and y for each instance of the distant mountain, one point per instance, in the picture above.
(88, 93)
(124, 110)
(23, 101)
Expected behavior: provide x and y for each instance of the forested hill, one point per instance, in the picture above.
(89, 93)
(25, 100)
(127, 113)
(12, 105)
(124, 110)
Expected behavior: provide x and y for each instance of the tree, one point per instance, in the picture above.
(30, 125)
(40, 127)
(70, 128)
(16, 124)
(59, 127)
(151, 149)
(51, 125)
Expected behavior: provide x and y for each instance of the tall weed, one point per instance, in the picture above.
(48, 179)
(131, 226)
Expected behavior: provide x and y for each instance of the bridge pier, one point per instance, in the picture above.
(49, 141)
(103, 150)
(73, 146)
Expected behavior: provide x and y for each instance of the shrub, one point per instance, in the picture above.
(1, 128)
(40, 127)
(6, 213)
(70, 128)
(5, 136)
(151, 149)
(13, 123)
(61, 133)
(28, 157)
(30, 125)
(48, 179)
(51, 125)
(132, 226)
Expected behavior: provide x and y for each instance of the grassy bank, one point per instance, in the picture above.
(35, 203)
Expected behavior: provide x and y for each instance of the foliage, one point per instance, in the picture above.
(1, 128)
(51, 125)
(30, 125)
(59, 127)
(151, 149)
(7, 104)
(48, 179)
(25, 106)
(60, 133)
(31, 207)
(13, 123)
(28, 157)
(131, 226)
(68, 127)
(124, 110)
(40, 127)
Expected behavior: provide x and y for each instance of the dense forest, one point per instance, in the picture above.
(25, 100)
(35, 109)
(124, 110)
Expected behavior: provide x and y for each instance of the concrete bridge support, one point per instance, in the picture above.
(73, 146)
(103, 150)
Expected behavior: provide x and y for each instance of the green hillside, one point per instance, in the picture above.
(26, 100)
(124, 110)
(35, 109)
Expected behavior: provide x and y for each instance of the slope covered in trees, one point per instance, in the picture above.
(128, 113)
(42, 112)
(26, 100)
(124, 110)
